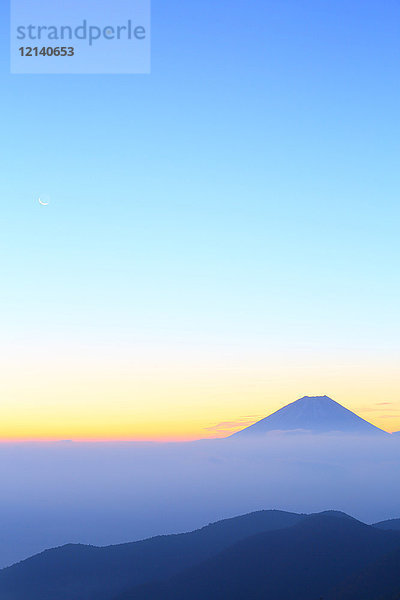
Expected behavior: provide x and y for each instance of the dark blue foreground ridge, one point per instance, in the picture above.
(265, 554)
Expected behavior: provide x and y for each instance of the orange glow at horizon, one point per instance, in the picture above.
(184, 429)
(125, 397)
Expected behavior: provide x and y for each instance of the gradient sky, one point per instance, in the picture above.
(223, 235)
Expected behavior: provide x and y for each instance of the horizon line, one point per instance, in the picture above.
(131, 440)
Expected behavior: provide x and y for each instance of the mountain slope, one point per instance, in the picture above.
(393, 524)
(299, 563)
(317, 414)
(379, 581)
(81, 572)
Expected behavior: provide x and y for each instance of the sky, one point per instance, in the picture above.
(222, 235)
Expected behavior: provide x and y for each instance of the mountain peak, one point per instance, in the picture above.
(313, 414)
(315, 399)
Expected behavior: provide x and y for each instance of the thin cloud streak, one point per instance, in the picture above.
(230, 426)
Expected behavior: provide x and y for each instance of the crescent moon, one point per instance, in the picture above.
(43, 203)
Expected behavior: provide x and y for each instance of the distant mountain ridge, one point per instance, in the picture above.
(319, 557)
(80, 572)
(314, 414)
(393, 524)
(145, 569)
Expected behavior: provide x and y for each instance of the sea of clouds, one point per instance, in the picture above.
(106, 493)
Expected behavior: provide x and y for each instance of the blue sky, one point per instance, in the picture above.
(245, 194)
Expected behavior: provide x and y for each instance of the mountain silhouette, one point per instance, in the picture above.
(80, 572)
(303, 562)
(315, 414)
(377, 581)
(285, 556)
(393, 524)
